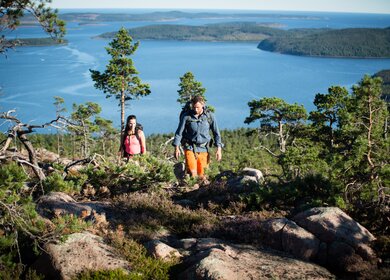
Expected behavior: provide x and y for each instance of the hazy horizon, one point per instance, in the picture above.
(341, 6)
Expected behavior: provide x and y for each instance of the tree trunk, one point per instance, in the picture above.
(85, 139)
(282, 140)
(369, 132)
(32, 156)
(122, 116)
(58, 143)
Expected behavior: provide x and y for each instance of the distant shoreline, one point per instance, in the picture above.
(38, 42)
(311, 42)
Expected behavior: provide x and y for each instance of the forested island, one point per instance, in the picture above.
(351, 42)
(242, 31)
(385, 76)
(37, 42)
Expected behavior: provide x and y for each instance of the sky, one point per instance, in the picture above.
(355, 6)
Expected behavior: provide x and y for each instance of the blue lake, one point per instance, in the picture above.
(232, 73)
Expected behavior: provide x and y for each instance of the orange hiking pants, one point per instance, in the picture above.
(196, 165)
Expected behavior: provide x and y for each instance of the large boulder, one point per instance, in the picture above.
(245, 180)
(285, 235)
(345, 240)
(80, 252)
(299, 242)
(216, 259)
(57, 204)
(271, 232)
(254, 173)
(331, 224)
(160, 250)
(327, 236)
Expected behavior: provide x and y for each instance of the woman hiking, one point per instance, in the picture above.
(133, 142)
(193, 133)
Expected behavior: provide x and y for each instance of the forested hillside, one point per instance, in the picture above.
(38, 42)
(213, 32)
(353, 42)
(385, 75)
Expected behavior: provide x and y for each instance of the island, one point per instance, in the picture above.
(350, 42)
(321, 42)
(241, 31)
(385, 75)
(37, 42)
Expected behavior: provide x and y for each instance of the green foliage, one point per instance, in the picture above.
(276, 117)
(155, 211)
(37, 42)
(301, 193)
(303, 158)
(237, 31)
(141, 172)
(385, 76)
(362, 140)
(56, 183)
(189, 88)
(351, 42)
(119, 78)
(330, 107)
(18, 219)
(13, 11)
(143, 266)
(68, 224)
(84, 126)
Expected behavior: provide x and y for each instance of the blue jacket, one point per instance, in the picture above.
(196, 131)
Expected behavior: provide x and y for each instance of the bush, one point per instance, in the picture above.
(56, 183)
(302, 193)
(154, 211)
(143, 266)
(18, 220)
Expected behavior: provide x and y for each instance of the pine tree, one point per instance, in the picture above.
(12, 11)
(362, 131)
(189, 88)
(81, 116)
(120, 77)
(277, 117)
(59, 104)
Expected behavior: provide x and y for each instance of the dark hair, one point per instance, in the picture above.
(196, 99)
(127, 128)
(131, 117)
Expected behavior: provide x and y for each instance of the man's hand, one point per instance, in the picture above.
(218, 154)
(177, 152)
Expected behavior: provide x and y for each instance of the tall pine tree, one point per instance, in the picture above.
(120, 77)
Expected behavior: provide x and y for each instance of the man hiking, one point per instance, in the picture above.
(193, 133)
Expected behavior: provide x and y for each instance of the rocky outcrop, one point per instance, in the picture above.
(257, 174)
(57, 204)
(327, 236)
(160, 250)
(346, 241)
(244, 180)
(80, 252)
(215, 259)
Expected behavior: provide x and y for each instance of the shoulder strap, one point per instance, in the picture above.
(208, 116)
(137, 130)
